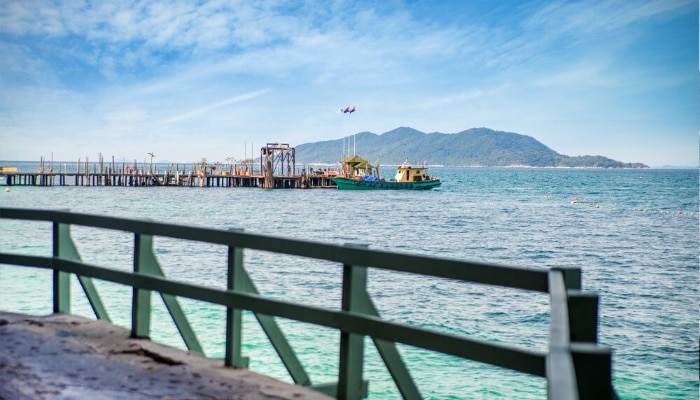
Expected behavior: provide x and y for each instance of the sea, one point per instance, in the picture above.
(634, 234)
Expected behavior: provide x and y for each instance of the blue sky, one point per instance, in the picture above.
(193, 79)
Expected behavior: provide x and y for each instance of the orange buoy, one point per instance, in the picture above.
(7, 190)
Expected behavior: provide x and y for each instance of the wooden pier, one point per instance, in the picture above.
(272, 174)
(189, 179)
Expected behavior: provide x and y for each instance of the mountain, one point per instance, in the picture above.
(473, 147)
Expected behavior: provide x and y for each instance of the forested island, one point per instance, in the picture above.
(478, 147)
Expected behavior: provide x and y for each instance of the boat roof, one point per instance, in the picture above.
(410, 167)
(357, 161)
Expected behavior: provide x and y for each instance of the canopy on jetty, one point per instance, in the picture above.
(357, 166)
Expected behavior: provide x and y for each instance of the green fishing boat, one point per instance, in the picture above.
(358, 174)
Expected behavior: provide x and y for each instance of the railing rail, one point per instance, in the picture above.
(575, 366)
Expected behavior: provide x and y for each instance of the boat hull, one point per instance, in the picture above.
(354, 184)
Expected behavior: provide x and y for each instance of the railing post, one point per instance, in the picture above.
(583, 316)
(145, 262)
(350, 382)
(68, 251)
(392, 359)
(276, 337)
(572, 277)
(593, 365)
(61, 280)
(141, 301)
(560, 369)
(234, 316)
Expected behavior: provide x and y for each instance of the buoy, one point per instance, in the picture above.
(597, 206)
(7, 190)
(680, 212)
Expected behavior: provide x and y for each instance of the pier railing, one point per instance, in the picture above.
(575, 365)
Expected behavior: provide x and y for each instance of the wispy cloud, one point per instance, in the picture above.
(223, 103)
(597, 17)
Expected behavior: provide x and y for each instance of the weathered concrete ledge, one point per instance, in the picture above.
(70, 357)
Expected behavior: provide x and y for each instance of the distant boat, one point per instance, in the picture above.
(358, 174)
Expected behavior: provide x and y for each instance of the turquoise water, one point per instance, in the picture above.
(633, 232)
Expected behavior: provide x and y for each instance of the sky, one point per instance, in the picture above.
(189, 79)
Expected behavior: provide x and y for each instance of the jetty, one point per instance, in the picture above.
(574, 365)
(275, 169)
(191, 178)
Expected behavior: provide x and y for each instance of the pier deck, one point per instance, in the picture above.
(66, 356)
(163, 179)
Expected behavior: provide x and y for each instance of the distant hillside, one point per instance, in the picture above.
(474, 147)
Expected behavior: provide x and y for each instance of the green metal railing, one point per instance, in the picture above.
(575, 366)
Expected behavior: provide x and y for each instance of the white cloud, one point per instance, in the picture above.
(595, 17)
(204, 109)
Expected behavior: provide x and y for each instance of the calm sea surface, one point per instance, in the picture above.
(634, 233)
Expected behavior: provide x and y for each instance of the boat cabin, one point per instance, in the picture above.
(357, 166)
(411, 174)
